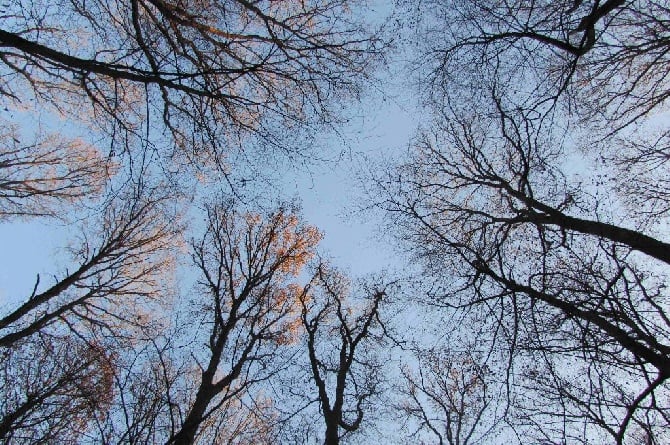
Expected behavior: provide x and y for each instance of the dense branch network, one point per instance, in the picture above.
(213, 72)
(484, 198)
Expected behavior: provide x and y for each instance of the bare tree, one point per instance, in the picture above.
(51, 389)
(211, 72)
(202, 380)
(601, 57)
(59, 342)
(121, 264)
(155, 385)
(572, 294)
(249, 305)
(338, 335)
(449, 398)
(38, 177)
(147, 392)
(198, 78)
(537, 202)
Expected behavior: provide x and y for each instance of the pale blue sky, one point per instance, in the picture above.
(330, 195)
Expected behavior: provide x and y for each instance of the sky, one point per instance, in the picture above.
(329, 193)
(332, 194)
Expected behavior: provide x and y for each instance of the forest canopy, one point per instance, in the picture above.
(192, 300)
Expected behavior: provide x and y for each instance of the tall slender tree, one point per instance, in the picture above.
(339, 341)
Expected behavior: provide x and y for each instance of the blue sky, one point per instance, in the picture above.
(329, 192)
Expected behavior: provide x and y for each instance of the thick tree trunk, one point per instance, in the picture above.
(186, 435)
(332, 436)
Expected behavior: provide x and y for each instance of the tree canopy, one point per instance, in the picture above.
(529, 213)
